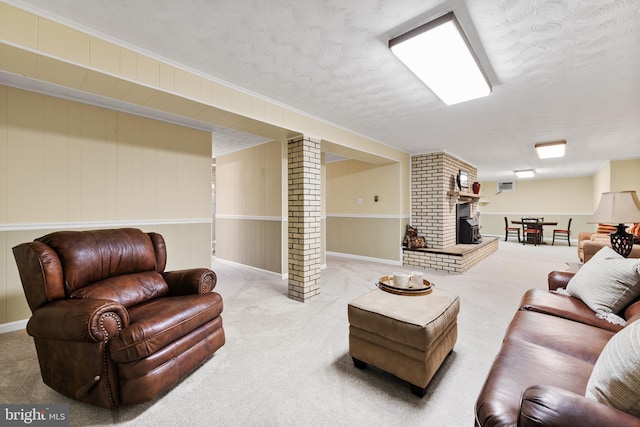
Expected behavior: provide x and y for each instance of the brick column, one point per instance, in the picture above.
(304, 218)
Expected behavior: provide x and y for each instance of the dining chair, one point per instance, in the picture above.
(562, 232)
(531, 231)
(510, 230)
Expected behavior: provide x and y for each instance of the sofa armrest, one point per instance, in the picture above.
(551, 406)
(632, 312)
(559, 279)
(190, 281)
(79, 320)
(590, 247)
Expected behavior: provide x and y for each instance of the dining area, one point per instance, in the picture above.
(531, 229)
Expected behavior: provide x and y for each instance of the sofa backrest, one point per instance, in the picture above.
(123, 265)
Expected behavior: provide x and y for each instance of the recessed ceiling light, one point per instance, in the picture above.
(548, 150)
(440, 55)
(527, 173)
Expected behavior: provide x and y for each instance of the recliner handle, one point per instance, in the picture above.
(88, 386)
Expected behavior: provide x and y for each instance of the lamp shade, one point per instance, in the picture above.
(621, 207)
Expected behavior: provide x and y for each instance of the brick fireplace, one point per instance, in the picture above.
(435, 212)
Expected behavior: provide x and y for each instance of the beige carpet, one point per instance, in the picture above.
(286, 363)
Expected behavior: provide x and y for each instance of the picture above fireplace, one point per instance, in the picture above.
(463, 179)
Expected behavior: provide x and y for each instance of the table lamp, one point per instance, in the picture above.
(621, 207)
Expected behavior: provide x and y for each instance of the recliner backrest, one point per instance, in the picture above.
(122, 265)
(91, 256)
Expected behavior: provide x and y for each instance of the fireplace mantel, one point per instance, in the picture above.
(464, 196)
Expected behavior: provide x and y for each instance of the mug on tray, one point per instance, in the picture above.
(415, 280)
(400, 280)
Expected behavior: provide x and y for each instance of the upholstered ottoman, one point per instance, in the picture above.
(408, 336)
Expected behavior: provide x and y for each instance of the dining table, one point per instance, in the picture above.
(541, 223)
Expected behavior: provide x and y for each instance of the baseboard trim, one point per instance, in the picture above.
(574, 242)
(365, 258)
(13, 326)
(283, 276)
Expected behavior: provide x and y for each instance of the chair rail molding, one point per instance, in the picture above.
(99, 224)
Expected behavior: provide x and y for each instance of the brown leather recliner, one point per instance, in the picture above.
(110, 326)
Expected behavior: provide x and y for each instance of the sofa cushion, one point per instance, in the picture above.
(162, 321)
(565, 307)
(128, 289)
(534, 328)
(608, 283)
(615, 380)
(603, 239)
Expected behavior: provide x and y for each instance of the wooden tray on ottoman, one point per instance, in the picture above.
(412, 290)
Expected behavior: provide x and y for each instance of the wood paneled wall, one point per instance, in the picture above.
(66, 165)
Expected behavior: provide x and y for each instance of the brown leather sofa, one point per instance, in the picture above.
(110, 326)
(540, 374)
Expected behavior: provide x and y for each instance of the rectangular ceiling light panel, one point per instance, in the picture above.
(527, 173)
(439, 54)
(549, 150)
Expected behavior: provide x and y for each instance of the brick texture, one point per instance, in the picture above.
(453, 263)
(304, 175)
(434, 213)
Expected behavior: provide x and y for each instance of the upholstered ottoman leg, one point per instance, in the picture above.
(359, 363)
(419, 391)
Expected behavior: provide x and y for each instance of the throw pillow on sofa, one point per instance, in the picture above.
(615, 379)
(607, 284)
(635, 230)
(606, 229)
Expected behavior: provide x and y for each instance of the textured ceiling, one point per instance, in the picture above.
(560, 69)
